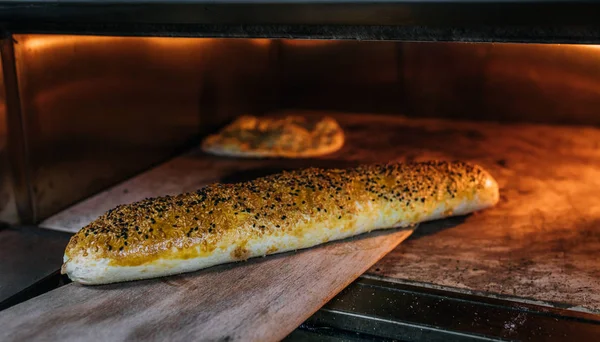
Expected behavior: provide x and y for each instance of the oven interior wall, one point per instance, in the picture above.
(554, 84)
(97, 110)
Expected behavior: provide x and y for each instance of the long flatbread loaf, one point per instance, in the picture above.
(222, 223)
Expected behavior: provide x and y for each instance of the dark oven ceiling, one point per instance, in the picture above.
(551, 21)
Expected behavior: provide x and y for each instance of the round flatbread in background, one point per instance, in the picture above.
(286, 137)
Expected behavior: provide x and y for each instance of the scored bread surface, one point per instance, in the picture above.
(222, 223)
(286, 137)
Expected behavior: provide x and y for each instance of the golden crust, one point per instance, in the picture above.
(289, 137)
(194, 224)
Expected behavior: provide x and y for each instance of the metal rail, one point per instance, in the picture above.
(556, 21)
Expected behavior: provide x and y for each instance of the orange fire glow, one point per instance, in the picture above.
(307, 42)
(44, 42)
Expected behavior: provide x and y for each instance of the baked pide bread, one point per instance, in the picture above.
(222, 223)
(284, 137)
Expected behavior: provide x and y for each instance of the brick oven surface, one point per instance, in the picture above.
(539, 243)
